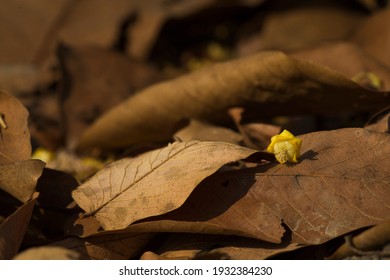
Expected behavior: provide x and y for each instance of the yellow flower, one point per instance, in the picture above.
(285, 146)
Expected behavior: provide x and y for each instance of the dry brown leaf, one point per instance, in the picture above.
(99, 80)
(289, 29)
(15, 137)
(152, 15)
(371, 241)
(153, 183)
(108, 246)
(47, 253)
(13, 229)
(203, 246)
(202, 131)
(19, 179)
(340, 185)
(271, 82)
(382, 125)
(94, 22)
(348, 59)
(373, 35)
(24, 40)
(255, 135)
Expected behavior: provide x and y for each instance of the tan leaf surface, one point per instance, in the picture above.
(99, 80)
(341, 184)
(347, 58)
(197, 246)
(108, 246)
(271, 82)
(288, 29)
(136, 188)
(15, 137)
(372, 240)
(202, 131)
(382, 125)
(255, 135)
(23, 40)
(13, 229)
(372, 35)
(19, 179)
(47, 253)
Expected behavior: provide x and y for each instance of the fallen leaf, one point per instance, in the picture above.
(15, 138)
(340, 185)
(255, 135)
(202, 131)
(19, 179)
(47, 253)
(270, 82)
(94, 23)
(203, 246)
(23, 41)
(107, 246)
(348, 59)
(135, 188)
(288, 29)
(372, 35)
(369, 241)
(99, 80)
(382, 125)
(13, 229)
(151, 16)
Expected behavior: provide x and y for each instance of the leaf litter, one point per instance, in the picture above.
(119, 90)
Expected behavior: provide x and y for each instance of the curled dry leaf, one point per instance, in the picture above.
(48, 253)
(205, 246)
(19, 179)
(340, 184)
(255, 135)
(382, 125)
(347, 58)
(271, 82)
(18, 174)
(13, 229)
(202, 131)
(99, 80)
(289, 29)
(107, 246)
(372, 35)
(153, 183)
(371, 241)
(15, 137)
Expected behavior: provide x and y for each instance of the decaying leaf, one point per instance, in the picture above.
(13, 228)
(369, 242)
(47, 253)
(347, 58)
(135, 188)
(202, 131)
(19, 179)
(382, 125)
(107, 246)
(204, 246)
(15, 137)
(288, 29)
(271, 82)
(332, 191)
(99, 80)
(370, 35)
(255, 135)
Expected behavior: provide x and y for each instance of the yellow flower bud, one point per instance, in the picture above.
(285, 146)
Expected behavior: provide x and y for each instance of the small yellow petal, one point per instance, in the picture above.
(286, 147)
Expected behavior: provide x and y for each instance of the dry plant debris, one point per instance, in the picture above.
(139, 129)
